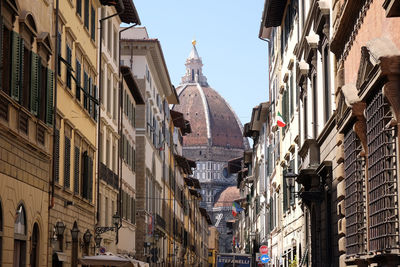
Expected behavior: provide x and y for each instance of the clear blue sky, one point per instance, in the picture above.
(234, 58)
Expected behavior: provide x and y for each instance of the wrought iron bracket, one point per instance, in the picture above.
(101, 230)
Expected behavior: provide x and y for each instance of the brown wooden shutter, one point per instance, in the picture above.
(76, 170)
(67, 163)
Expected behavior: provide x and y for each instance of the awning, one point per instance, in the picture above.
(108, 260)
(62, 256)
(185, 163)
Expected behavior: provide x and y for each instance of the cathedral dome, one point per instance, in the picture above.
(227, 196)
(212, 120)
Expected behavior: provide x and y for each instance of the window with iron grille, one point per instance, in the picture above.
(382, 175)
(355, 187)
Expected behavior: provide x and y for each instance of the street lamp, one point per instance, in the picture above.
(97, 240)
(74, 233)
(60, 227)
(290, 177)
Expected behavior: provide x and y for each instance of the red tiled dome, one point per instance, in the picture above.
(227, 196)
(212, 120)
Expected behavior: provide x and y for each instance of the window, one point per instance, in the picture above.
(78, 80)
(315, 105)
(108, 153)
(26, 80)
(115, 100)
(110, 35)
(69, 61)
(86, 18)
(35, 248)
(93, 24)
(6, 58)
(106, 212)
(67, 162)
(85, 89)
(115, 45)
(59, 40)
(77, 155)
(87, 176)
(109, 94)
(20, 237)
(327, 94)
(79, 7)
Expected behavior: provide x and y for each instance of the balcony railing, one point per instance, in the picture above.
(160, 221)
(108, 176)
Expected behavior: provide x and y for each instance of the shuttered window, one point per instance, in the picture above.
(78, 80)
(79, 7)
(34, 92)
(49, 97)
(285, 193)
(69, 66)
(85, 175)
(93, 24)
(67, 163)
(95, 106)
(59, 40)
(90, 103)
(16, 66)
(133, 212)
(57, 156)
(85, 89)
(90, 171)
(86, 18)
(76, 169)
(25, 75)
(5, 57)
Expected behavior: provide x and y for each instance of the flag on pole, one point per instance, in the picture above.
(280, 121)
(236, 208)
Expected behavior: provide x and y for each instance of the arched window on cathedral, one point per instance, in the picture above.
(20, 237)
(192, 74)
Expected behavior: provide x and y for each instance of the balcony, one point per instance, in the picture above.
(109, 176)
(160, 221)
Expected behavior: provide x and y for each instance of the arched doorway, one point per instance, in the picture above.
(20, 237)
(35, 246)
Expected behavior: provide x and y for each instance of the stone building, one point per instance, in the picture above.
(216, 133)
(366, 45)
(114, 165)
(26, 128)
(152, 125)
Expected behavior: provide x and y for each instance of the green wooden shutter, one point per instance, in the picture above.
(93, 24)
(76, 170)
(34, 99)
(90, 180)
(133, 211)
(50, 88)
(67, 163)
(15, 66)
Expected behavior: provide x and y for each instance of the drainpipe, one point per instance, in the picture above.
(100, 97)
(120, 125)
(56, 70)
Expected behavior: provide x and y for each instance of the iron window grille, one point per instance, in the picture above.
(382, 175)
(355, 189)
